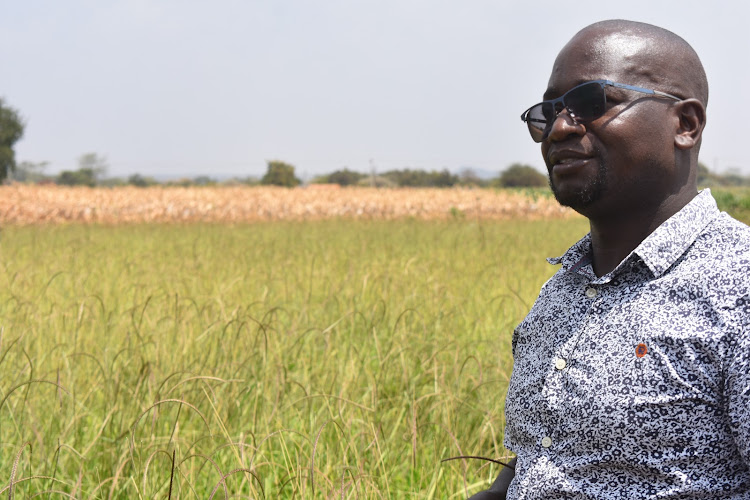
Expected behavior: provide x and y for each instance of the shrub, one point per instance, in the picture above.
(343, 177)
(519, 175)
(280, 174)
(80, 177)
(140, 181)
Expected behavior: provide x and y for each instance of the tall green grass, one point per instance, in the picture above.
(735, 201)
(331, 359)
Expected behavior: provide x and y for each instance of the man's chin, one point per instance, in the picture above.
(579, 199)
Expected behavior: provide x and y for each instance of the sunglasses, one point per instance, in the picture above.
(584, 102)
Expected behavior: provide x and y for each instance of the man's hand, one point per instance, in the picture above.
(499, 488)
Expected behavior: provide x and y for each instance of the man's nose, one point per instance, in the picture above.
(564, 125)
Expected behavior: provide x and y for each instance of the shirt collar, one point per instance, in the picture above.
(662, 247)
(669, 241)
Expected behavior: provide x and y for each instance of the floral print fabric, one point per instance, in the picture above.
(636, 384)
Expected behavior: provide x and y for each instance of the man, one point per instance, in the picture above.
(631, 374)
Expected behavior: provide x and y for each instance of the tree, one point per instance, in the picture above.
(92, 168)
(443, 179)
(95, 163)
(28, 171)
(280, 174)
(140, 181)
(11, 130)
(732, 177)
(420, 178)
(343, 177)
(203, 180)
(469, 178)
(520, 175)
(80, 177)
(704, 174)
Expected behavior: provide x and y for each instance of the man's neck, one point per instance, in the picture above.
(610, 244)
(614, 238)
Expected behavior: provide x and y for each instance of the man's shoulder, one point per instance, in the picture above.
(725, 240)
(719, 260)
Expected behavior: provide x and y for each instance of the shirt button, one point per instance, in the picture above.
(560, 363)
(591, 292)
(546, 441)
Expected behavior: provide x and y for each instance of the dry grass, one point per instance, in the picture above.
(25, 204)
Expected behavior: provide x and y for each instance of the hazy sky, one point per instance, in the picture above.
(181, 87)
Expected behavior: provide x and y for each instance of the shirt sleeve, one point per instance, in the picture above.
(738, 379)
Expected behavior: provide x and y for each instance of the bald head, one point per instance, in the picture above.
(644, 55)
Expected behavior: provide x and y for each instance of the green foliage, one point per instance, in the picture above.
(706, 178)
(735, 201)
(204, 180)
(280, 174)
(92, 168)
(11, 131)
(140, 181)
(349, 349)
(469, 178)
(421, 178)
(30, 172)
(94, 163)
(80, 177)
(704, 175)
(520, 175)
(343, 177)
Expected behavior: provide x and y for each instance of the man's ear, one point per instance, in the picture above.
(692, 116)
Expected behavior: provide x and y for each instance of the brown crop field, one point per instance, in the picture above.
(48, 204)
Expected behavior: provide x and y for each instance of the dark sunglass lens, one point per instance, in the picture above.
(537, 120)
(586, 102)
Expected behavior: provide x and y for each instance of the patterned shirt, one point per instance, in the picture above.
(636, 384)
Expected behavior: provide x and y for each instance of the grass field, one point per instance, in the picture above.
(340, 358)
(327, 359)
(735, 201)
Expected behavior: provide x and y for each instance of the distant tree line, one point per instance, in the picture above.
(709, 179)
(92, 169)
(516, 175)
(11, 131)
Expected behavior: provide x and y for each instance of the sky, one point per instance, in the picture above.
(173, 88)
